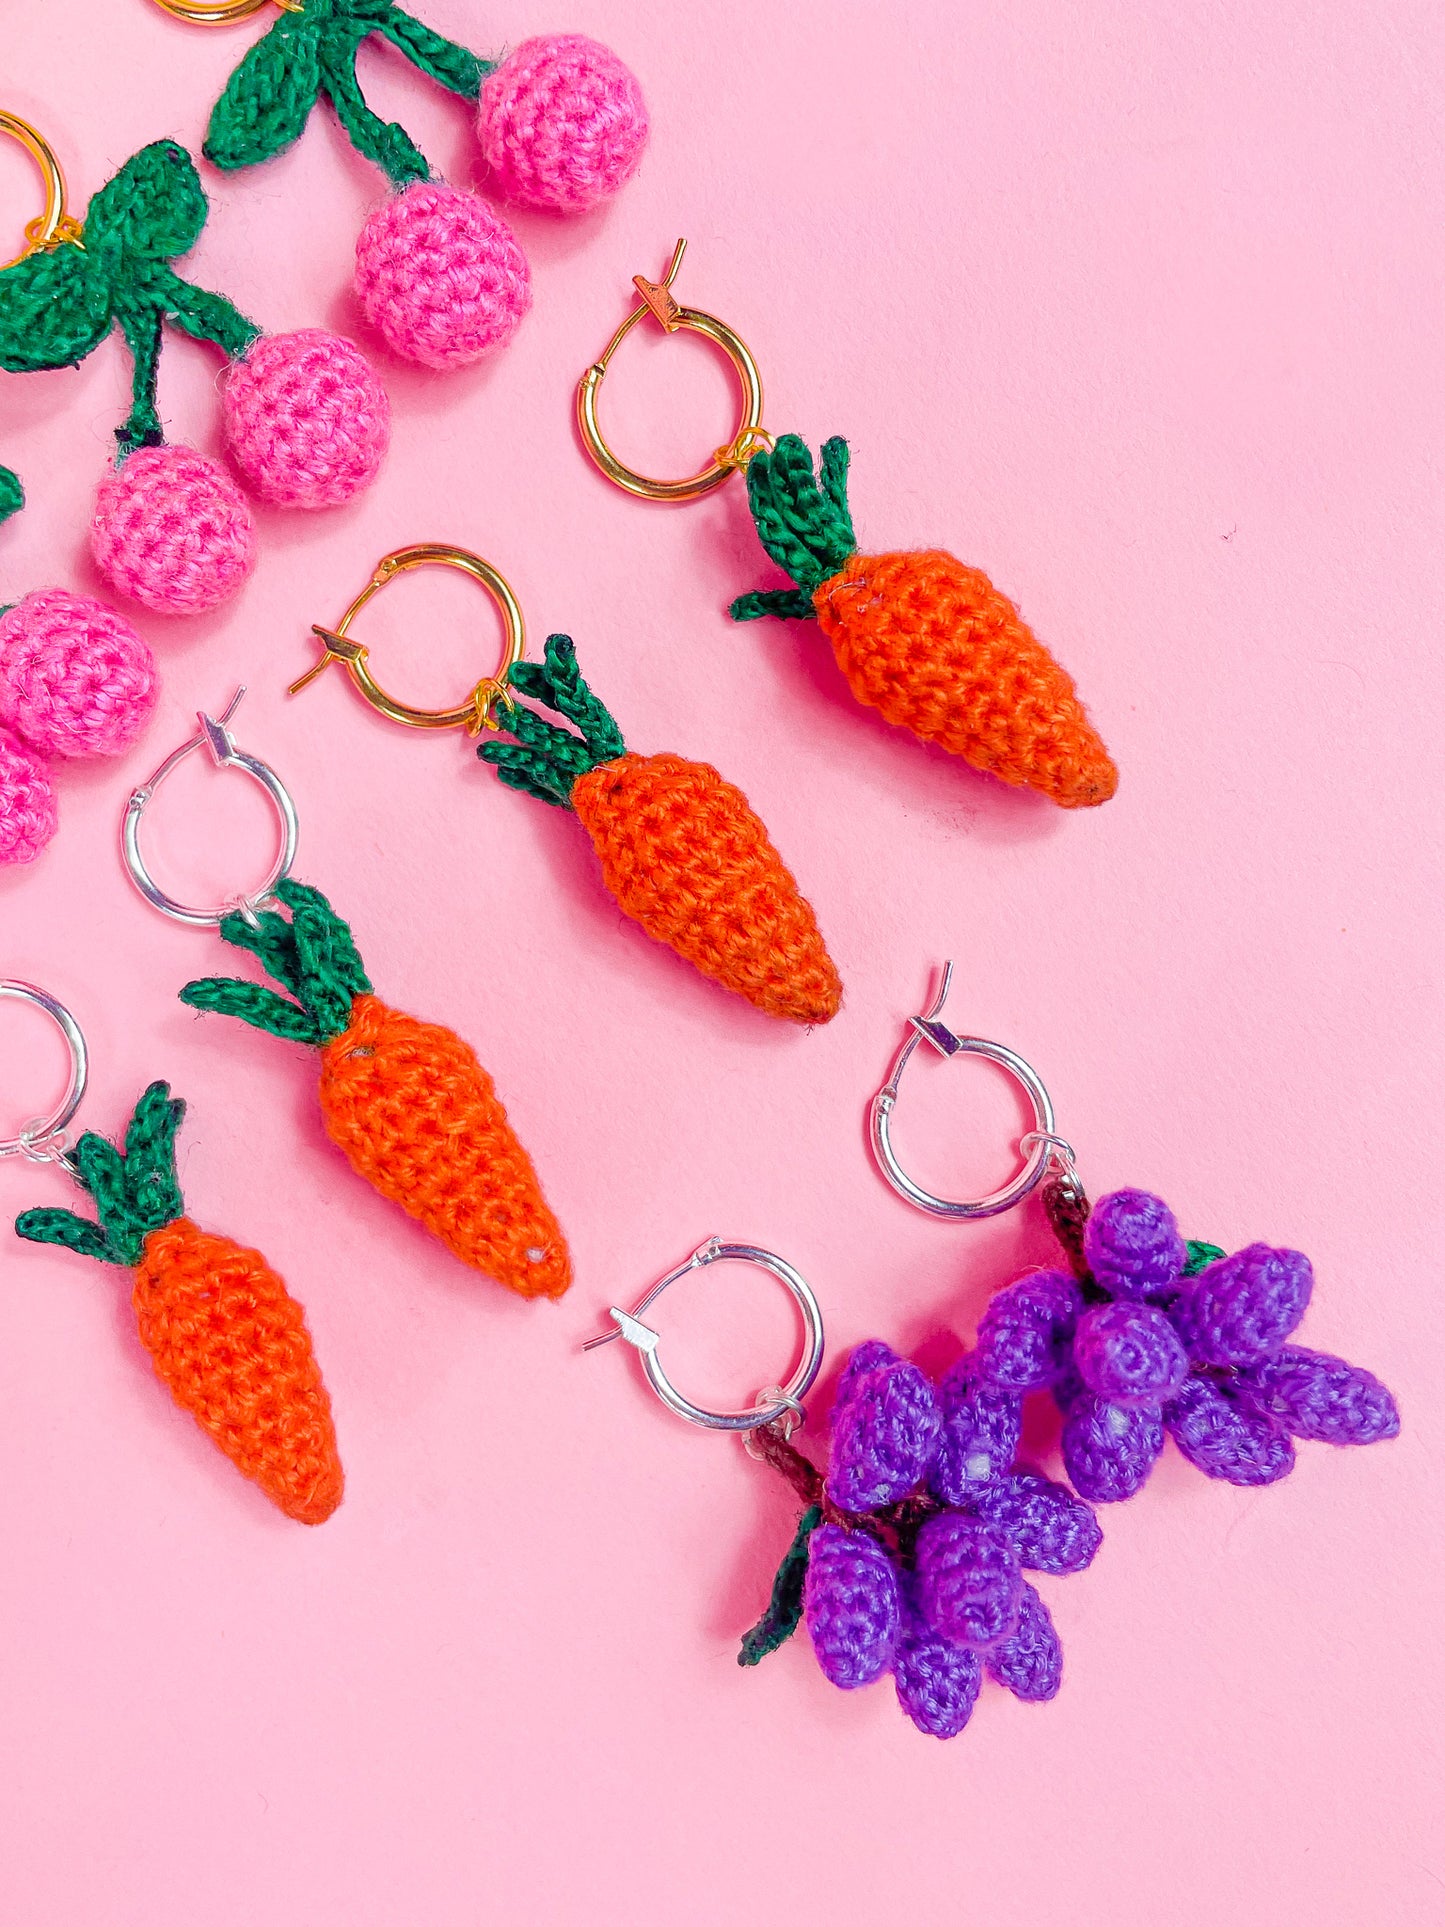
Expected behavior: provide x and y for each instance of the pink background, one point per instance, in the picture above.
(1136, 304)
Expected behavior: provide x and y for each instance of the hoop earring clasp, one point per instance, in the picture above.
(657, 301)
(220, 13)
(217, 739)
(475, 714)
(54, 226)
(43, 1139)
(778, 1402)
(1042, 1145)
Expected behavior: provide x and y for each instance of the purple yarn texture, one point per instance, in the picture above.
(1024, 1335)
(307, 419)
(885, 1432)
(562, 123)
(979, 1436)
(1129, 1354)
(75, 678)
(850, 1601)
(440, 276)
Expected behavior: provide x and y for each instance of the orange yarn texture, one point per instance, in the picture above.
(684, 853)
(419, 1118)
(933, 645)
(231, 1345)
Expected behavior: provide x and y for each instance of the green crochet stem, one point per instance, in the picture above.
(12, 495)
(60, 303)
(785, 1607)
(313, 956)
(136, 1191)
(802, 522)
(269, 98)
(546, 761)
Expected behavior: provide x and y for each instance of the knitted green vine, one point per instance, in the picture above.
(785, 1607)
(803, 523)
(60, 302)
(313, 956)
(12, 495)
(136, 1191)
(546, 761)
(269, 97)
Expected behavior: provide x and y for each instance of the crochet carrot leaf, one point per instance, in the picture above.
(224, 1334)
(921, 637)
(785, 1608)
(407, 1102)
(269, 97)
(59, 304)
(681, 849)
(12, 495)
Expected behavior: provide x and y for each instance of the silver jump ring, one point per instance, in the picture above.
(43, 1138)
(1038, 1145)
(217, 739)
(786, 1399)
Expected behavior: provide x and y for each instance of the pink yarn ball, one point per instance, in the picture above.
(172, 530)
(307, 419)
(440, 275)
(27, 802)
(562, 123)
(75, 678)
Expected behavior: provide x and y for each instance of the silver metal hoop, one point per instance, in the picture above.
(787, 1398)
(1041, 1145)
(43, 1138)
(217, 739)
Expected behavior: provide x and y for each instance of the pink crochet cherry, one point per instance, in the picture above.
(440, 275)
(27, 802)
(172, 530)
(562, 123)
(306, 417)
(75, 678)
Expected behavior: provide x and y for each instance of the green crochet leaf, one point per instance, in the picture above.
(785, 1607)
(805, 526)
(48, 1226)
(545, 760)
(135, 1193)
(12, 495)
(314, 955)
(269, 97)
(457, 68)
(254, 1004)
(1200, 1255)
(154, 208)
(386, 143)
(55, 308)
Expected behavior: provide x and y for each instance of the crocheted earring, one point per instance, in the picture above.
(439, 274)
(306, 418)
(407, 1102)
(681, 850)
(921, 637)
(226, 1338)
(75, 681)
(12, 495)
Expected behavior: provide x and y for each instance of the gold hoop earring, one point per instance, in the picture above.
(52, 227)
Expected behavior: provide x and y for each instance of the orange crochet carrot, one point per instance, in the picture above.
(222, 1330)
(922, 637)
(408, 1102)
(681, 849)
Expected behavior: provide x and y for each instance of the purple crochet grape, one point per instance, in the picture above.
(969, 1579)
(1049, 1528)
(937, 1681)
(885, 1431)
(979, 1437)
(1109, 1451)
(862, 1358)
(1132, 1245)
(1129, 1354)
(1030, 1663)
(850, 1602)
(1023, 1336)
(1240, 1309)
(1320, 1397)
(1226, 1438)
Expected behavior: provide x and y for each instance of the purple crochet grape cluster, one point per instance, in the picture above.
(1167, 1337)
(930, 1583)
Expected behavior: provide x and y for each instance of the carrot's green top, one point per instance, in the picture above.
(269, 97)
(313, 956)
(12, 495)
(136, 1191)
(802, 522)
(546, 761)
(58, 304)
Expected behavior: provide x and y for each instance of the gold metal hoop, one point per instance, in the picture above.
(657, 301)
(219, 13)
(54, 225)
(475, 714)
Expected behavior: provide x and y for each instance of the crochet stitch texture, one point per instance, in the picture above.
(681, 849)
(307, 419)
(27, 802)
(440, 275)
(226, 1338)
(75, 678)
(562, 123)
(172, 530)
